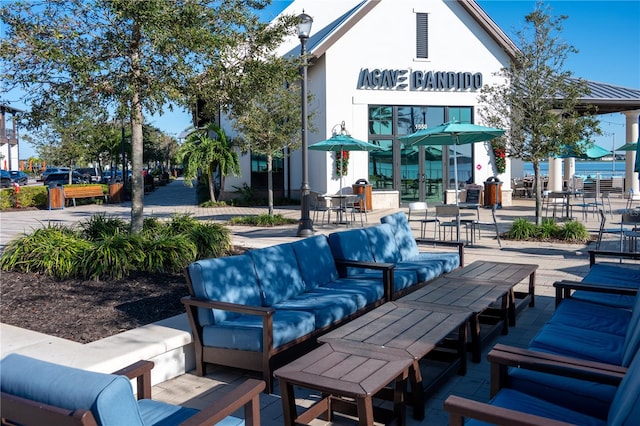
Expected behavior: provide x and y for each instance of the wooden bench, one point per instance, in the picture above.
(83, 191)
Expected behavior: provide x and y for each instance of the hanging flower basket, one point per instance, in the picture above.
(342, 163)
(499, 155)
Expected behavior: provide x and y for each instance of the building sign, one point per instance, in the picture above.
(389, 79)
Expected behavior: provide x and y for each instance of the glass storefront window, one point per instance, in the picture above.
(381, 120)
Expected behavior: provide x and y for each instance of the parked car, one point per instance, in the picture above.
(5, 179)
(90, 174)
(112, 176)
(21, 178)
(54, 179)
(51, 170)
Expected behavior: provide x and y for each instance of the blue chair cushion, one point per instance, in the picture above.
(156, 413)
(519, 401)
(351, 245)
(607, 299)
(625, 408)
(326, 306)
(405, 240)
(591, 316)
(225, 279)
(593, 399)
(450, 261)
(579, 343)
(109, 397)
(366, 291)
(402, 278)
(244, 332)
(425, 270)
(278, 273)
(623, 276)
(315, 261)
(383, 243)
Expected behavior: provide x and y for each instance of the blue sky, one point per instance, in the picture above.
(606, 33)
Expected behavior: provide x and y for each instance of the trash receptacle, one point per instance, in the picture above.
(55, 197)
(363, 187)
(493, 192)
(116, 192)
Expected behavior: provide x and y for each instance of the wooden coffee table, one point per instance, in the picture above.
(475, 296)
(510, 273)
(338, 372)
(408, 330)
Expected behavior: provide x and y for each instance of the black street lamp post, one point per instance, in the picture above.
(305, 225)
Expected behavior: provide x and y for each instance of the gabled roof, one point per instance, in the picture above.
(609, 98)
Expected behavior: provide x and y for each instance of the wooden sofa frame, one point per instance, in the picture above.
(16, 410)
(270, 358)
(84, 191)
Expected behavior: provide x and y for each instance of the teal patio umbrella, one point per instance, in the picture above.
(583, 151)
(452, 133)
(343, 142)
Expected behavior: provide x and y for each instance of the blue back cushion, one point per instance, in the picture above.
(625, 408)
(224, 279)
(278, 273)
(632, 339)
(315, 261)
(351, 245)
(383, 243)
(403, 233)
(109, 397)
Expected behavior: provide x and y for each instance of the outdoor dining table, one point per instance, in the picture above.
(343, 200)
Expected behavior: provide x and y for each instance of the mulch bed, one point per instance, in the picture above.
(84, 311)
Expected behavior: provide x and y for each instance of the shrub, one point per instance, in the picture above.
(168, 253)
(211, 240)
(521, 229)
(114, 257)
(181, 224)
(33, 196)
(574, 231)
(54, 250)
(99, 226)
(262, 220)
(548, 229)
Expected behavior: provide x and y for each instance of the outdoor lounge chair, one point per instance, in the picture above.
(512, 406)
(36, 392)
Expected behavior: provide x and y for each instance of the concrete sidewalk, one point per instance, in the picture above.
(556, 262)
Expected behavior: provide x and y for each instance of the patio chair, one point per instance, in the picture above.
(36, 392)
(477, 225)
(588, 204)
(604, 230)
(419, 207)
(447, 216)
(554, 200)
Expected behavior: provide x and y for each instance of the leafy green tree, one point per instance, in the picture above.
(269, 120)
(539, 101)
(209, 151)
(132, 58)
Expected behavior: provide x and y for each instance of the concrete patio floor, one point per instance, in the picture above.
(556, 262)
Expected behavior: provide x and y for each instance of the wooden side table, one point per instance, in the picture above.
(340, 373)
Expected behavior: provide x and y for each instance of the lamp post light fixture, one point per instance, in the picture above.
(305, 225)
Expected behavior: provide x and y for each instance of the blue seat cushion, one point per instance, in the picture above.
(591, 316)
(315, 261)
(383, 243)
(109, 397)
(225, 279)
(623, 276)
(450, 261)
(593, 399)
(351, 245)
(367, 291)
(579, 343)
(156, 413)
(608, 299)
(405, 240)
(402, 278)
(425, 270)
(519, 401)
(278, 273)
(244, 332)
(326, 306)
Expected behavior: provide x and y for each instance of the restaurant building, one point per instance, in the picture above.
(386, 69)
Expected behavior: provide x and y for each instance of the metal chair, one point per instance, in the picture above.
(419, 207)
(604, 230)
(447, 216)
(632, 235)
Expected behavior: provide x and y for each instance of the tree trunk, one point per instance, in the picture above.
(137, 147)
(538, 191)
(212, 188)
(270, 182)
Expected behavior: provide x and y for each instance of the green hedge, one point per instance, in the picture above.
(36, 196)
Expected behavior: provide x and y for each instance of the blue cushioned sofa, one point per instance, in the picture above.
(36, 392)
(392, 242)
(248, 311)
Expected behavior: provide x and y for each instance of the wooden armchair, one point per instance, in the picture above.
(515, 407)
(36, 392)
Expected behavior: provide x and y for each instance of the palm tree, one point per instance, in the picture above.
(207, 149)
